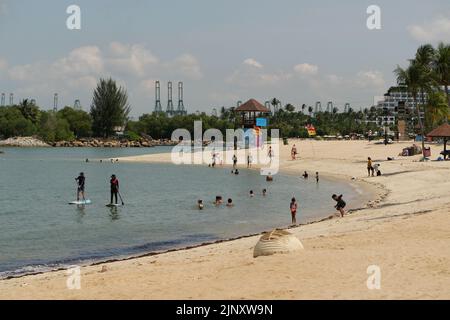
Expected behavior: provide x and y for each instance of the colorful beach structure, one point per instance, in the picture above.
(253, 117)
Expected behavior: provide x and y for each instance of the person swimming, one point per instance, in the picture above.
(200, 204)
(251, 193)
(236, 172)
(305, 175)
(219, 200)
(264, 192)
(230, 203)
(340, 204)
(269, 177)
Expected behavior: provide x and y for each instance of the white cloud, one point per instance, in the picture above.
(134, 59)
(434, 31)
(253, 63)
(306, 69)
(252, 74)
(3, 64)
(370, 79)
(81, 61)
(186, 65)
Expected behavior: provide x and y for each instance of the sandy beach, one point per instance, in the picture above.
(404, 229)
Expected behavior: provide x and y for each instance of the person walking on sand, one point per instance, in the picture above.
(249, 161)
(294, 152)
(234, 161)
(81, 180)
(293, 206)
(370, 169)
(340, 204)
(114, 183)
(270, 154)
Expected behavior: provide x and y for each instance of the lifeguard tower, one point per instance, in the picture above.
(252, 117)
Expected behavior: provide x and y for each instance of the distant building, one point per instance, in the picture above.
(398, 103)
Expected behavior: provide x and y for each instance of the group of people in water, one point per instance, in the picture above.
(113, 182)
(219, 200)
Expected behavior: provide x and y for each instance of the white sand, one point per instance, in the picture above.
(406, 233)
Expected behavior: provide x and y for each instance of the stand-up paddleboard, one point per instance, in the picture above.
(81, 202)
(113, 205)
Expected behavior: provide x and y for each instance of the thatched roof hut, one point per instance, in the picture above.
(443, 131)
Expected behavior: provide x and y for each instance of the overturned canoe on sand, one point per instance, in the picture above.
(276, 241)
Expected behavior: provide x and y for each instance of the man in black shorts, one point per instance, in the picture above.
(81, 179)
(340, 204)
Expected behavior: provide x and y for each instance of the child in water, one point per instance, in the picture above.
(340, 204)
(200, 204)
(251, 193)
(293, 206)
(317, 177)
(264, 192)
(230, 203)
(305, 175)
(218, 201)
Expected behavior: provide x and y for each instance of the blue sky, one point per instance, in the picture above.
(223, 51)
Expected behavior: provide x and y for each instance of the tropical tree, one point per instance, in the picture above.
(289, 107)
(441, 67)
(437, 109)
(109, 108)
(80, 122)
(414, 78)
(29, 111)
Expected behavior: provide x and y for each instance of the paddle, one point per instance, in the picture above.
(120, 198)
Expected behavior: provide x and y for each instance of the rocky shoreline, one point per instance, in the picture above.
(32, 142)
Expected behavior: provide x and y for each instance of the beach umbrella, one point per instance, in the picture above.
(443, 131)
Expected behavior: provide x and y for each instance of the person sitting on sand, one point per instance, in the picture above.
(340, 204)
(305, 175)
(293, 206)
(230, 203)
(376, 169)
(264, 192)
(251, 193)
(369, 167)
(200, 204)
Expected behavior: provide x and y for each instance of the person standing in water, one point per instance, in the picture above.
(294, 152)
(293, 206)
(81, 180)
(317, 177)
(114, 183)
(234, 161)
(340, 204)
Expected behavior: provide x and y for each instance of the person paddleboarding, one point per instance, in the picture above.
(81, 180)
(114, 183)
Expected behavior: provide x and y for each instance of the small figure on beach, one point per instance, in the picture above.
(370, 170)
(200, 204)
(234, 161)
(87, 160)
(114, 187)
(249, 161)
(251, 193)
(340, 204)
(293, 206)
(305, 175)
(376, 168)
(294, 152)
(317, 177)
(270, 154)
(264, 192)
(236, 172)
(81, 180)
(230, 203)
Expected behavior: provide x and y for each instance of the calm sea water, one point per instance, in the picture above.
(40, 231)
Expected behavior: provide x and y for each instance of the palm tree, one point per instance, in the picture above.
(303, 108)
(441, 66)
(289, 107)
(310, 110)
(424, 57)
(437, 109)
(414, 78)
